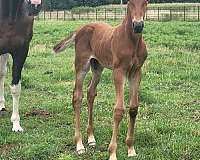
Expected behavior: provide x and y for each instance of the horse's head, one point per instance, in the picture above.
(136, 11)
(34, 7)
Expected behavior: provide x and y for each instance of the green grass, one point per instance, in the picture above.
(169, 115)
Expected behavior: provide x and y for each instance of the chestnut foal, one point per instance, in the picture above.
(121, 49)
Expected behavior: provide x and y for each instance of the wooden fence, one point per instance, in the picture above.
(154, 13)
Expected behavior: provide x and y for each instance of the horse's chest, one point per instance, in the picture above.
(139, 57)
(12, 38)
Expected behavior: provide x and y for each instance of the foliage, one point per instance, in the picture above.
(168, 120)
(68, 4)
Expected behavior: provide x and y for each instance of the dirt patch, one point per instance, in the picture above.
(5, 148)
(196, 115)
(195, 102)
(69, 147)
(38, 112)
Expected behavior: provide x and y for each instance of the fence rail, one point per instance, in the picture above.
(154, 13)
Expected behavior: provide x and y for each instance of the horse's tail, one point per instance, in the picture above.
(65, 43)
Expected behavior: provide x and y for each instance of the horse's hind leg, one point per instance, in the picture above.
(96, 70)
(81, 67)
(3, 62)
(134, 82)
(19, 58)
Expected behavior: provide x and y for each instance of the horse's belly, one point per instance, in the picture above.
(8, 45)
(104, 56)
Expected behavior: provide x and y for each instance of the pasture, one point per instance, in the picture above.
(169, 114)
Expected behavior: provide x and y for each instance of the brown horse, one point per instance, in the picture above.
(16, 28)
(121, 49)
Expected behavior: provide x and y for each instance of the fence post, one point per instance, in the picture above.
(158, 14)
(96, 14)
(170, 13)
(72, 17)
(88, 14)
(64, 15)
(115, 14)
(38, 17)
(105, 14)
(79, 14)
(184, 13)
(147, 14)
(50, 15)
(198, 13)
(44, 15)
(57, 15)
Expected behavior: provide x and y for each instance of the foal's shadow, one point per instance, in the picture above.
(145, 138)
(4, 113)
(146, 97)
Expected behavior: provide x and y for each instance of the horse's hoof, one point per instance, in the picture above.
(3, 112)
(92, 144)
(81, 151)
(132, 153)
(91, 141)
(17, 127)
(113, 157)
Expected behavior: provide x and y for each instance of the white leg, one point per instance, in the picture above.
(3, 62)
(15, 119)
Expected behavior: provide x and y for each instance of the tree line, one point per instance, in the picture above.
(68, 4)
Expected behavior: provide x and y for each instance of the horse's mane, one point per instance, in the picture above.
(11, 8)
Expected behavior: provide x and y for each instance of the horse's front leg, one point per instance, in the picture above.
(119, 80)
(19, 58)
(134, 82)
(3, 62)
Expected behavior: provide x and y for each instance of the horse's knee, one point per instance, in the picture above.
(118, 114)
(91, 94)
(133, 111)
(77, 98)
(16, 89)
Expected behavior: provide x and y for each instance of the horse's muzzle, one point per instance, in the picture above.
(34, 9)
(138, 26)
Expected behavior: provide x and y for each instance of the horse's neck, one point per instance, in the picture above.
(11, 9)
(4, 8)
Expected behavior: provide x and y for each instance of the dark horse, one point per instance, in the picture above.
(16, 30)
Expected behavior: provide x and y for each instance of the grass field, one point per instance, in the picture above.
(169, 115)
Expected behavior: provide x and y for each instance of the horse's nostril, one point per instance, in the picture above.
(138, 27)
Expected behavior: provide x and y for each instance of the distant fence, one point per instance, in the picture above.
(154, 14)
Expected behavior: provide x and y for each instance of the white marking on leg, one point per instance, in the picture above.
(15, 119)
(91, 140)
(80, 148)
(131, 152)
(113, 157)
(3, 62)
